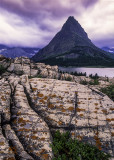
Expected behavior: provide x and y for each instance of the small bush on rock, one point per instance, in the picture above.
(84, 82)
(109, 91)
(66, 148)
(68, 78)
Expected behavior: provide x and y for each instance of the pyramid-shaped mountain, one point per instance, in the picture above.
(72, 47)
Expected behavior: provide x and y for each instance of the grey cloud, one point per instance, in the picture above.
(38, 21)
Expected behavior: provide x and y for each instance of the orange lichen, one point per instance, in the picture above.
(45, 156)
(42, 139)
(95, 111)
(96, 108)
(42, 101)
(66, 92)
(81, 115)
(109, 120)
(79, 109)
(7, 93)
(60, 97)
(50, 105)
(104, 111)
(98, 143)
(18, 113)
(1, 143)
(63, 110)
(34, 89)
(45, 98)
(53, 96)
(15, 121)
(42, 151)
(34, 132)
(112, 109)
(40, 95)
(76, 121)
(22, 121)
(112, 134)
(34, 137)
(13, 149)
(3, 98)
(79, 137)
(23, 130)
(61, 105)
(73, 133)
(9, 158)
(60, 122)
(69, 101)
(34, 98)
(71, 108)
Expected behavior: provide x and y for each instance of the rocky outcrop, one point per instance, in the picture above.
(32, 109)
(23, 65)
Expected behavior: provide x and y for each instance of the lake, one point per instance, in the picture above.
(108, 72)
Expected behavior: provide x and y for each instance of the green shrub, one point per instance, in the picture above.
(2, 69)
(68, 78)
(109, 91)
(38, 76)
(66, 148)
(84, 82)
(94, 82)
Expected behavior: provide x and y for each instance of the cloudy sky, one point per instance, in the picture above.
(35, 22)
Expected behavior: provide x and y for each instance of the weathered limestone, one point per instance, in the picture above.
(6, 151)
(31, 129)
(16, 146)
(5, 95)
(71, 106)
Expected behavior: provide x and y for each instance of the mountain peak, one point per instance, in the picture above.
(71, 18)
(72, 26)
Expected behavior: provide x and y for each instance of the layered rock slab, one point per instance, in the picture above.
(10, 146)
(30, 128)
(70, 106)
(6, 151)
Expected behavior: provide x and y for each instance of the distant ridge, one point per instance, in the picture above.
(13, 52)
(72, 47)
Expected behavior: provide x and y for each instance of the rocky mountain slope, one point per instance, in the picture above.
(72, 47)
(32, 108)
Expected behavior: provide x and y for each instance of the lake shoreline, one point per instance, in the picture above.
(86, 66)
(102, 72)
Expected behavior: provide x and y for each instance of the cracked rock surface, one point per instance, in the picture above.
(32, 109)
